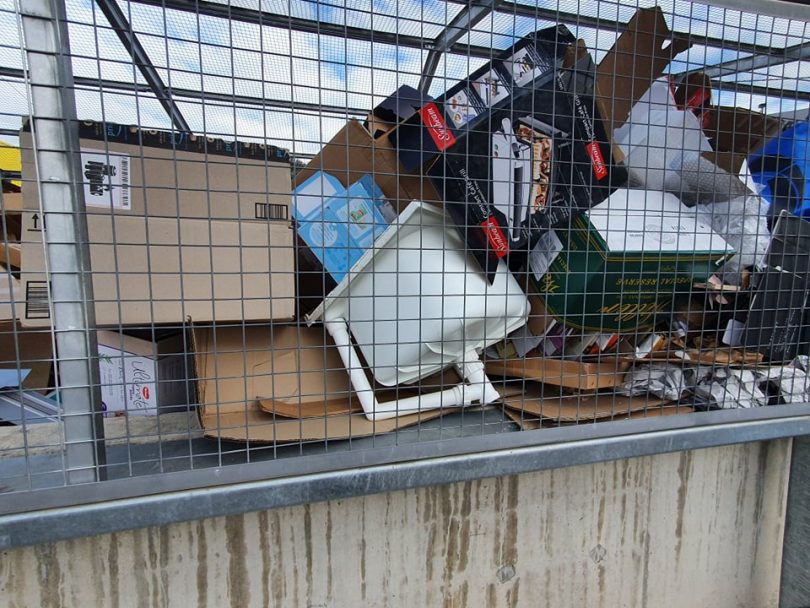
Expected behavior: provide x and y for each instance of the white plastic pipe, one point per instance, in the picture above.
(460, 395)
(472, 370)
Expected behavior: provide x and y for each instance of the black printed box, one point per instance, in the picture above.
(436, 126)
(529, 167)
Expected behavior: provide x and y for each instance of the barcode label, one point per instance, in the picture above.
(36, 300)
(106, 179)
(125, 204)
(271, 211)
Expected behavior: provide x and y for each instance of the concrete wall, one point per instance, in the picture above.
(795, 570)
(698, 529)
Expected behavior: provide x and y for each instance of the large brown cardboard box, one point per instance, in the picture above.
(352, 153)
(179, 225)
(279, 383)
(131, 171)
(162, 270)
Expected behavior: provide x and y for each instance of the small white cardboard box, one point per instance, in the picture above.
(141, 377)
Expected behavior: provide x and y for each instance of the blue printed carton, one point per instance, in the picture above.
(339, 224)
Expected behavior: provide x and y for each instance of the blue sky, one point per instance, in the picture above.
(212, 55)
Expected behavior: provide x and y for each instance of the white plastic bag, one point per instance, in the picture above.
(656, 136)
(743, 224)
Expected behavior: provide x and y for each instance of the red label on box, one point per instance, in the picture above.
(433, 120)
(598, 162)
(495, 236)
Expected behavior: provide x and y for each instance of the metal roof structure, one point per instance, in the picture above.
(292, 72)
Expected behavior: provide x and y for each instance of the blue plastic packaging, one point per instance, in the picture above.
(782, 167)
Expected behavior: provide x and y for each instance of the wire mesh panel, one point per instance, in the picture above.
(263, 231)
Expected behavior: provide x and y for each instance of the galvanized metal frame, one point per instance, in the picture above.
(65, 513)
(56, 146)
(123, 29)
(446, 42)
(460, 25)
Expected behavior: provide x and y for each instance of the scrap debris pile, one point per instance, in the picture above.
(571, 240)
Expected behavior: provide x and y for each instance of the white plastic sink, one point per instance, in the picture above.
(418, 303)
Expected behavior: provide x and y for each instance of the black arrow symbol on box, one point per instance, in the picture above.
(36, 227)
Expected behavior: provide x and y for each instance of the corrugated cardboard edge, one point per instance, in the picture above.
(529, 422)
(337, 406)
(639, 56)
(578, 407)
(570, 374)
(256, 426)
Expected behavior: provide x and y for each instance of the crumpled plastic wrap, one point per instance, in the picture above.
(793, 383)
(731, 388)
(743, 224)
(663, 380)
(722, 387)
(696, 180)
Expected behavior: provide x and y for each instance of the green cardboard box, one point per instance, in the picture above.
(625, 262)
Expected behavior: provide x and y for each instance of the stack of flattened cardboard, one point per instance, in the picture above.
(279, 383)
(533, 404)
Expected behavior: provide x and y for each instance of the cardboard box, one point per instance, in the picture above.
(340, 224)
(11, 201)
(350, 155)
(215, 270)
(10, 254)
(640, 56)
(532, 61)
(778, 323)
(578, 375)
(525, 169)
(131, 171)
(141, 377)
(625, 262)
(736, 132)
(22, 348)
(11, 302)
(268, 384)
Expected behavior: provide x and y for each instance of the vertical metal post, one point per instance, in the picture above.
(56, 147)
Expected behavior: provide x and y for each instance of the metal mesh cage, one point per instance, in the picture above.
(323, 236)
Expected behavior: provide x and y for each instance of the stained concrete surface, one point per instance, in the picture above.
(795, 568)
(701, 528)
